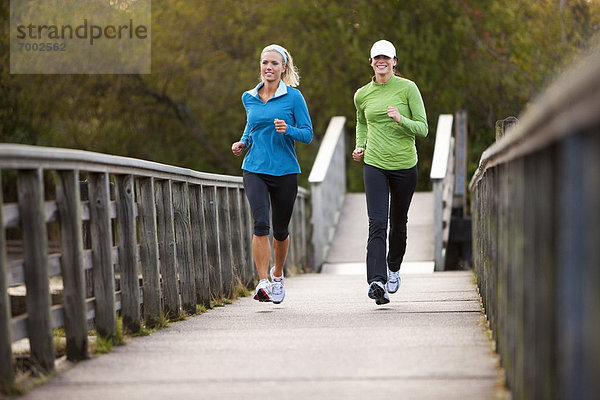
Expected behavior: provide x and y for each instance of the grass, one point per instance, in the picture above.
(162, 322)
(105, 345)
(11, 390)
(149, 327)
(144, 331)
(241, 291)
(200, 309)
(181, 317)
(220, 302)
(60, 342)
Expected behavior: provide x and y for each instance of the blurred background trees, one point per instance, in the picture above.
(488, 57)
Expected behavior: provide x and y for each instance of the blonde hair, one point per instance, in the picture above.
(290, 76)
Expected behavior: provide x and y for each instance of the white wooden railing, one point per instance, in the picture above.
(442, 177)
(328, 188)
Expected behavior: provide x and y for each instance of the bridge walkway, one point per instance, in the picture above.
(326, 340)
(347, 252)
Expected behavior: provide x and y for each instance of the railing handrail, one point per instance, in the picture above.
(327, 149)
(441, 152)
(20, 156)
(442, 177)
(328, 187)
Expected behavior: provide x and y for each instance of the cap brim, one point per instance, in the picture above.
(382, 54)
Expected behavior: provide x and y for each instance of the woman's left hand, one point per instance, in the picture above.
(280, 125)
(394, 114)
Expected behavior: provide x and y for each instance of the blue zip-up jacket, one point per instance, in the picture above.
(271, 152)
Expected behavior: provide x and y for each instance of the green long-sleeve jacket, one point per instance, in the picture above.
(389, 145)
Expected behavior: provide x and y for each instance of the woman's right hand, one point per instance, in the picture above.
(237, 148)
(358, 154)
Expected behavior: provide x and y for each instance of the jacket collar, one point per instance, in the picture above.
(281, 90)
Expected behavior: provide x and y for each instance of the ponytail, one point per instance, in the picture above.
(290, 76)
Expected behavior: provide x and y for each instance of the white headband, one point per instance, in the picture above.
(278, 49)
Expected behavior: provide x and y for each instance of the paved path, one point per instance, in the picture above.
(326, 340)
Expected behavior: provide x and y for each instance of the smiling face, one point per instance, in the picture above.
(271, 66)
(383, 65)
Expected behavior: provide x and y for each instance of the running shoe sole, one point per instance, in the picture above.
(377, 293)
(262, 296)
(381, 301)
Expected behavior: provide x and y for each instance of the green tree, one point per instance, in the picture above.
(490, 58)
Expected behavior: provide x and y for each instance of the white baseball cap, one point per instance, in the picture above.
(383, 48)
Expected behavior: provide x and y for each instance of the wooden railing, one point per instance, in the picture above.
(328, 188)
(442, 178)
(148, 234)
(536, 241)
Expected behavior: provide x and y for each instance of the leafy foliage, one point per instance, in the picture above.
(489, 58)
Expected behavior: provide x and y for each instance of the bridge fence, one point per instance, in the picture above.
(328, 188)
(145, 239)
(442, 178)
(536, 241)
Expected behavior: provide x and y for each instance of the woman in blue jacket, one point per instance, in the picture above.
(276, 117)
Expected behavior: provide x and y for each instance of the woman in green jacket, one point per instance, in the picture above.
(389, 115)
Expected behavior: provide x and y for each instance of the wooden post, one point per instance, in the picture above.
(292, 261)
(296, 236)
(75, 311)
(87, 237)
(517, 288)
(304, 237)
(438, 227)
(297, 243)
(236, 239)
(225, 241)
(201, 272)
(35, 252)
(212, 240)
(166, 247)
(149, 250)
(128, 256)
(101, 233)
(591, 288)
(249, 229)
(6, 365)
(460, 170)
(246, 234)
(185, 258)
(572, 267)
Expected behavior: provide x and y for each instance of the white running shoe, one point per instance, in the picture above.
(277, 288)
(377, 292)
(263, 291)
(394, 281)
